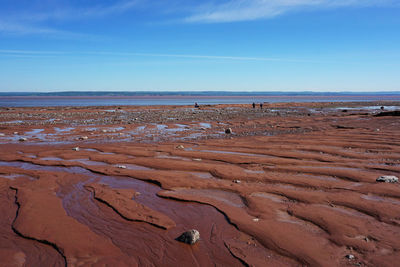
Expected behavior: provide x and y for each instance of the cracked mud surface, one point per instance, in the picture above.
(293, 189)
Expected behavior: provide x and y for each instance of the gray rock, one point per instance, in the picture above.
(180, 147)
(228, 130)
(75, 149)
(189, 237)
(350, 256)
(22, 139)
(388, 179)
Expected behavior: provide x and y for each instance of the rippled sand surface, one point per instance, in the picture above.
(293, 185)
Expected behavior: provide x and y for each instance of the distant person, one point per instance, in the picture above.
(196, 105)
(261, 104)
(254, 105)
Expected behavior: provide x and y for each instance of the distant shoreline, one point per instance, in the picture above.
(189, 94)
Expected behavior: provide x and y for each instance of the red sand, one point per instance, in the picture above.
(289, 187)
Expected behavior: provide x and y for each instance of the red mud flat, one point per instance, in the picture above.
(293, 185)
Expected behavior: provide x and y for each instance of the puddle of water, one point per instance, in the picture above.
(254, 171)
(386, 108)
(34, 132)
(203, 175)
(98, 151)
(161, 126)
(229, 198)
(12, 122)
(172, 157)
(135, 167)
(273, 197)
(51, 158)
(381, 199)
(112, 129)
(15, 176)
(89, 162)
(63, 130)
(193, 136)
(205, 125)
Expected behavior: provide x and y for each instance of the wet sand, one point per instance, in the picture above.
(293, 185)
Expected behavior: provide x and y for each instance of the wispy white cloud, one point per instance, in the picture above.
(21, 29)
(37, 22)
(73, 13)
(245, 10)
(37, 53)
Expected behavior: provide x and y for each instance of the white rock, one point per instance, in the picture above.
(22, 139)
(75, 149)
(121, 166)
(388, 179)
(350, 256)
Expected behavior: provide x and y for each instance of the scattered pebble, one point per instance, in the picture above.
(388, 179)
(180, 147)
(83, 138)
(350, 256)
(228, 130)
(197, 159)
(75, 149)
(237, 181)
(22, 139)
(189, 237)
(256, 220)
(121, 166)
(1, 134)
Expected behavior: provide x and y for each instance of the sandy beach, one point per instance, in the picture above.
(292, 184)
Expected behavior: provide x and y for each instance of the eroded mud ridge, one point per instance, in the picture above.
(290, 190)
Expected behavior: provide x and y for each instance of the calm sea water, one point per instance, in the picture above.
(47, 101)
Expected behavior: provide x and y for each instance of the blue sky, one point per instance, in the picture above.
(174, 45)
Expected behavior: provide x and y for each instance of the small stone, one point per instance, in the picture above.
(256, 220)
(388, 179)
(75, 149)
(83, 138)
(228, 130)
(237, 181)
(1, 134)
(22, 139)
(121, 166)
(350, 256)
(15, 132)
(180, 147)
(189, 237)
(104, 131)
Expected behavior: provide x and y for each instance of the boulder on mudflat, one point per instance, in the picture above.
(189, 237)
(388, 179)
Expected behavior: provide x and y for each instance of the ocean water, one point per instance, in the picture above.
(48, 101)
